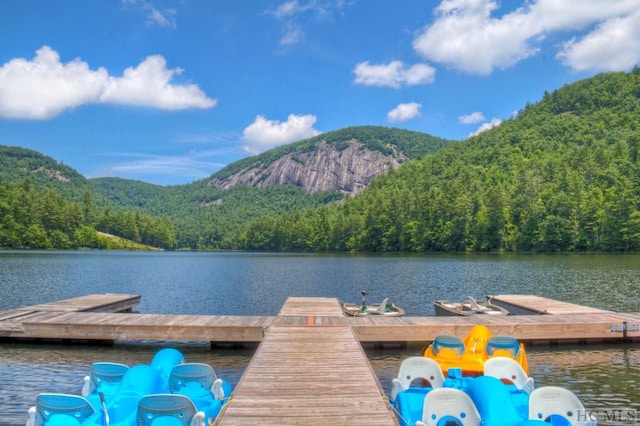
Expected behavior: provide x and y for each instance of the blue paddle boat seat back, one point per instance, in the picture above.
(549, 402)
(57, 409)
(448, 342)
(503, 343)
(168, 410)
(509, 370)
(449, 406)
(191, 374)
(104, 377)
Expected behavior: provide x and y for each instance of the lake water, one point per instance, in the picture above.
(604, 376)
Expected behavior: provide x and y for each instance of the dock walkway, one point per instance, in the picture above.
(99, 318)
(308, 374)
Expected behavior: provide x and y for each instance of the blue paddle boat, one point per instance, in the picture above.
(113, 394)
(503, 396)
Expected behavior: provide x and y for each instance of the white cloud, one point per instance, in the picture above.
(474, 117)
(149, 85)
(612, 46)
(293, 34)
(154, 16)
(157, 168)
(466, 36)
(45, 87)
(404, 112)
(291, 12)
(394, 74)
(264, 134)
(486, 126)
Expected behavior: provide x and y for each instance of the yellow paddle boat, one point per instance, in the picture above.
(469, 354)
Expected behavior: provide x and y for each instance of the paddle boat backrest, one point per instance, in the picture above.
(507, 369)
(104, 377)
(447, 345)
(449, 406)
(380, 309)
(191, 374)
(503, 346)
(59, 409)
(416, 368)
(168, 409)
(548, 401)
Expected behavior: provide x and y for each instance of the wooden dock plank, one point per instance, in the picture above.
(541, 305)
(92, 303)
(308, 376)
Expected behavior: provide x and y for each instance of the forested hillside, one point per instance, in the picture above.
(45, 204)
(211, 216)
(563, 175)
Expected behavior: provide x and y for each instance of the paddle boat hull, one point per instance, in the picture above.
(467, 308)
(471, 353)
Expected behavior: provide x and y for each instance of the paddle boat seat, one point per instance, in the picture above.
(449, 406)
(552, 401)
(507, 369)
(168, 410)
(380, 309)
(496, 344)
(416, 368)
(57, 409)
(448, 344)
(105, 378)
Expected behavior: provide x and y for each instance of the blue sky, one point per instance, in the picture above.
(171, 91)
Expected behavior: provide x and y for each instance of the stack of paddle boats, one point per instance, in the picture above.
(482, 379)
(168, 391)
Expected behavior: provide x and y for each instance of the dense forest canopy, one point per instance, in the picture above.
(562, 175)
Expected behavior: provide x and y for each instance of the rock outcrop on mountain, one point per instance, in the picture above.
(326, 168)
(345, 160)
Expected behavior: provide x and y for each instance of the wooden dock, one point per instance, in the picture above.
(309, 368)
(98, 318)
(308, 374)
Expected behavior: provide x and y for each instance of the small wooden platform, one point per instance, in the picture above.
(308, 375)
(523, 304)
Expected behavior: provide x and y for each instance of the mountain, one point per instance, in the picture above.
(18, 163)
(304, 175)
(346, 160)
(563, 175)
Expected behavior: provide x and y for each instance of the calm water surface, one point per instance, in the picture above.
(605, 377)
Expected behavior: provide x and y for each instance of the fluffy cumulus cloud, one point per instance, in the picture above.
(45, 87)
(486, 126)
(264, 134)
(474, 117)
(394, 74)
(469, 36)
(404, 112)
(613, 45)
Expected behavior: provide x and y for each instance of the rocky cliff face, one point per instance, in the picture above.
(326, 168)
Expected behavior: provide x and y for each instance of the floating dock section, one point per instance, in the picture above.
(106, 318)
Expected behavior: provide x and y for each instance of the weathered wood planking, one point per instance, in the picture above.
(311, 375)
(92, 303)
(118, 326)
(70, 320)
(541, 305)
